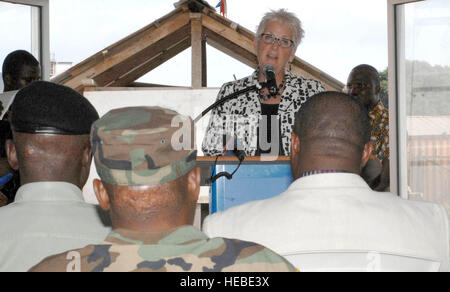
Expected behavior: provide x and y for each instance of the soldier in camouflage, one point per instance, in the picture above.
(151, 192)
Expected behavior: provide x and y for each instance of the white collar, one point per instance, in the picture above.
(49, 191)
(327, 180)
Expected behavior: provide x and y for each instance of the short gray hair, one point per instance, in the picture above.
(287, 18)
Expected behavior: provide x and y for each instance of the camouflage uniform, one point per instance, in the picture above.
(184, 249)
(134, 147)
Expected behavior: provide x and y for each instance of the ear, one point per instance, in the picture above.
(87, 156)
(368, 149)
(7, 79)
(295, 150)
(102, 195)
(11, 152)
(295, 145)
(86, 160)
(193, 184)
(377, 89)
(292, 56)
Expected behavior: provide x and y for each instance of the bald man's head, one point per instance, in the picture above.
(155, 207)
(333, 125)
(63, 158)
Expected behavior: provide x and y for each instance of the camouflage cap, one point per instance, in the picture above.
(133, 147)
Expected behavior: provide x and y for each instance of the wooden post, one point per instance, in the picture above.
(199, 72)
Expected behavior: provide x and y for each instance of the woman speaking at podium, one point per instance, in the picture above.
(260, 121)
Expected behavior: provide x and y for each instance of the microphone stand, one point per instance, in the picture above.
(225, 99)
(205, 112)
(238, 154)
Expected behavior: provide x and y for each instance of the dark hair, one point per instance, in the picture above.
(334, 116)
(16, 60)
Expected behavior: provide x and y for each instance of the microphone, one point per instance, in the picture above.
(271, 81)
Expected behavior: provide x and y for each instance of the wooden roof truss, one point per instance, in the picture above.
(194, 24)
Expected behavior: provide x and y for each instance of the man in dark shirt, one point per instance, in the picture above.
(20, 68)
(364, 83)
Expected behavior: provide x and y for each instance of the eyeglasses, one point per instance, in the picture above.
(282, 42)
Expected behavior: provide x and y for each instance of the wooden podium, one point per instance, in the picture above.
(257, 178)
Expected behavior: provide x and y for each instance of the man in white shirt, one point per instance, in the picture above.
(329, 208)
(50, 147)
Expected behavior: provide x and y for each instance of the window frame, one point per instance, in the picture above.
(40, 32)
(398, 140)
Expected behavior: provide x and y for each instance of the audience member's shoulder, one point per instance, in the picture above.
(237, 213)
(248, 257)
(433, 207)
(55, 263)
(427, 209)
(9, 210)
(69, 261)
(3, 200)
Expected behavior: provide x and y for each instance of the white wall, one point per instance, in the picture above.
(185, 101)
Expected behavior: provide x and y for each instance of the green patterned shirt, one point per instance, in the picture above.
(184, 249)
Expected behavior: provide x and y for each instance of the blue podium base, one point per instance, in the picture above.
(250, 183)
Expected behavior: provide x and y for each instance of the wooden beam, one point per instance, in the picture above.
(91, 61)
(228, 23)
(131, 63)
(204, 64)
(125, 50)
(134, 56)
(228, 33)
(238, 43)
(232, 49)
(305, 69)
(198, 58)
(151, 64)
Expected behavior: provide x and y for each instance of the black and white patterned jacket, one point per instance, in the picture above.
(240, 117)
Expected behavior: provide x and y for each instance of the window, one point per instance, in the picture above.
(423, 103)
(24, 25)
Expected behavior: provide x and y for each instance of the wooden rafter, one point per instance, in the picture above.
(192, 24)
(151, 64)
(141, 57)
(229, 48)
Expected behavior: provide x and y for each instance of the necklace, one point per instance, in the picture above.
(280, 88)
